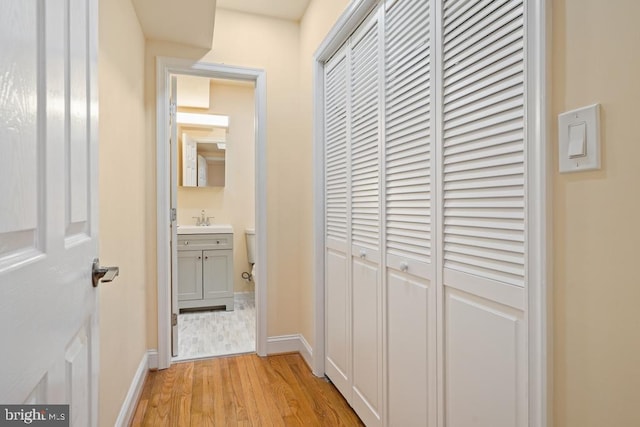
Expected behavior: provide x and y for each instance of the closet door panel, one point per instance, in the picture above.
(410, 295)
(365, 133)
(410, 351)
(485, 342)
(484, 224)
(336, 153)
(408, 137)
(367, 343)
(337, 227)
(338, 348)
(365, 138)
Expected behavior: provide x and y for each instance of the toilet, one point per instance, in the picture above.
(250, 234)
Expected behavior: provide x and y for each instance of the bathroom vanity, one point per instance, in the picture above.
(205, 267)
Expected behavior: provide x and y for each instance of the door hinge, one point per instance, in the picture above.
(174, 319)
(172, 214)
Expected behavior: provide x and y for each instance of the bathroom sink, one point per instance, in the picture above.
(205, 229)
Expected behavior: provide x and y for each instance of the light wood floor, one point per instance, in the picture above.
(243, 390)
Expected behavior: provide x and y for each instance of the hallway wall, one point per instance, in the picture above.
(595, 218)
(121, 213)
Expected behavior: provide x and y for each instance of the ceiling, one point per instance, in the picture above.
(283, 9)
(190, 22)
(187, 22)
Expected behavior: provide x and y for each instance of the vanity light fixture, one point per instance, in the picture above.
(197, 119)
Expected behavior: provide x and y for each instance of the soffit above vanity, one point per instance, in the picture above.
(188, 22)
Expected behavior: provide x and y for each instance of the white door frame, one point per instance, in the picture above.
(538, 196)
(164, 68)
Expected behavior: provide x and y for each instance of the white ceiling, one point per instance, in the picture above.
(190, 22)
(283, 9)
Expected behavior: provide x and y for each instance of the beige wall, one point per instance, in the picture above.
(272, 45)
(314, 26)
(122, 212)
(597, 233)
(235, 202)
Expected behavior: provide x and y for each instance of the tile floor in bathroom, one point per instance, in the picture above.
(218, 332)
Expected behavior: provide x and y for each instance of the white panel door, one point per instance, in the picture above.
(337, 228)
(410, 287)
(364, 123)
(48, 219)
(483, 192)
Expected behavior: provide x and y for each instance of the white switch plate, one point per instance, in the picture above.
(590, 116)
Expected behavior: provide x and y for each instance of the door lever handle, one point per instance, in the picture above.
(102, 274)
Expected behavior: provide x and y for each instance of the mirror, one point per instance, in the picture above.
(202, 158)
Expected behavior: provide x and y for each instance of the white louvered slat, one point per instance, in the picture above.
(483, 139)
(408, 134)
(336, 147)
(365, 100)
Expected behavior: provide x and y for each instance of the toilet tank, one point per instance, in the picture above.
(250, 235)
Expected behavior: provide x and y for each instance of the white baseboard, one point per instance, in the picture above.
(289, 344)
(128, 408)
(152, 357)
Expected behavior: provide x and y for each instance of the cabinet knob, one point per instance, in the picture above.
(199, 257)
(186, 243)
(404, 266)
(217, 242)
(206, 257)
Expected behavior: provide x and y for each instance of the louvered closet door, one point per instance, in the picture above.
(485, 352)
(337, 226)
(365, 79)
(411, 291)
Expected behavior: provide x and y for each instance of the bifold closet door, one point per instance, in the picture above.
(410, 285)
(426, 230)
(483, 192)
(337, 227)
(353, 91)
(364, 135)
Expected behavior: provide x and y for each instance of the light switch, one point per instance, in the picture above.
(579, 139)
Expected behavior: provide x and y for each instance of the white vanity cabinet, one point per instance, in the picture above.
(205, 271)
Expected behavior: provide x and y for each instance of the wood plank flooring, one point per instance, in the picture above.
(244, 390)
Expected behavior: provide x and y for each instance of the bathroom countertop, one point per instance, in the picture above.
(205, 229)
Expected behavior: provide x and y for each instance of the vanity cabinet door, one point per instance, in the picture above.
(217, 273)
(189, 275)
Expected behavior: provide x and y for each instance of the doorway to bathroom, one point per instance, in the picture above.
(213, 168)
(215, 210)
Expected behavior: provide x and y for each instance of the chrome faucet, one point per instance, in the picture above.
(203, 220)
